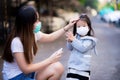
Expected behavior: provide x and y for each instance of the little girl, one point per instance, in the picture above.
(80, 43)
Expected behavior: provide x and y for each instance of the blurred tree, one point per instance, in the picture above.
(74, 5)
(63, 4)
(114, 4)
(117, 4)
(91, 3)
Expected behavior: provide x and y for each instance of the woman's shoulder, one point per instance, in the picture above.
(38, 35)
(16, 45)
(16, 40)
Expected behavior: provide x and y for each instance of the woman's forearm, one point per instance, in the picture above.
(55, 35)
(37, 66)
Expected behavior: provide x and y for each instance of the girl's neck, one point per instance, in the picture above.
(81, 35)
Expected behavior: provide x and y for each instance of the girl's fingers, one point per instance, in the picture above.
(69, 34)
(67, 39)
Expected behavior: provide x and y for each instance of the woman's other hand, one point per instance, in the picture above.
(56, 56)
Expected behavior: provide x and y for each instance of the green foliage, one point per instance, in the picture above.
(119, 6)
(112, 5)
(91, 3)
(109, 5)
(82, 2)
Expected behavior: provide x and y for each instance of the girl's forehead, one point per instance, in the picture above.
(81, 22)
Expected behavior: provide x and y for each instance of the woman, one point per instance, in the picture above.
(80, 43)
(21, 48)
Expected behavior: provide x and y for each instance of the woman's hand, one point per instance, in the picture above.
(55, 56)
(71, 23)
(69, 36)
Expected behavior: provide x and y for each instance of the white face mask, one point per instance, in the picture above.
(82, 30)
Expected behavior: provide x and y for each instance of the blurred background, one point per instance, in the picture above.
(55, 14)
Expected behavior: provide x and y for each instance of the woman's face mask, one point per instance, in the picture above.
(37, 27)
(82, 30)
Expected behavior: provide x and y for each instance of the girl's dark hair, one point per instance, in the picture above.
(23, 29)
(84, 17)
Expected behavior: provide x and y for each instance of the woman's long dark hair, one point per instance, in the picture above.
(84, 17)
(23, 29)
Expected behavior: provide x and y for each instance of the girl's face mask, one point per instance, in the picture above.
(82, 30)
(37, 27)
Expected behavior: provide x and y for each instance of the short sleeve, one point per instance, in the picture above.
(16, 45)
(37, 36)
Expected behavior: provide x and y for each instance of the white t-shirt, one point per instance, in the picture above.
(11, 70)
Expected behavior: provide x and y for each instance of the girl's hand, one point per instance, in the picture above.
(55, 56)
(69, 36)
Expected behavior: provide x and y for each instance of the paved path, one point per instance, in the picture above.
(106, 66)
